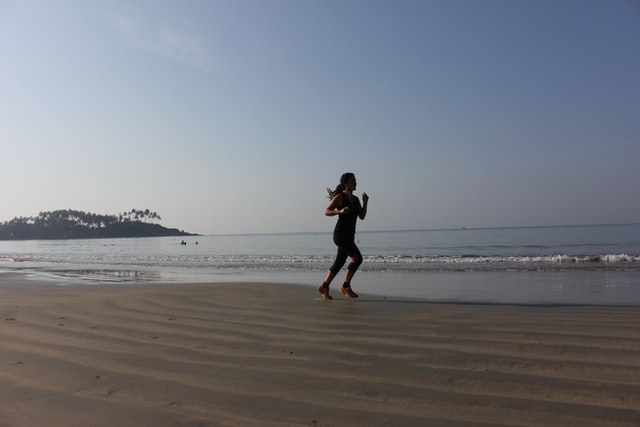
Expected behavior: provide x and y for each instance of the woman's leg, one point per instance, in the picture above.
(329, 277)
(348, 276)
(356, 260)
(341, 258)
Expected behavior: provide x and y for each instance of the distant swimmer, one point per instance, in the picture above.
(349, 209)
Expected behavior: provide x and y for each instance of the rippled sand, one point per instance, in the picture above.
(277, 355)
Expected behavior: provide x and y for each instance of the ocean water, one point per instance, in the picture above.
(537, 265)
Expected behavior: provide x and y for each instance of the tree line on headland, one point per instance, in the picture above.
(72, 224)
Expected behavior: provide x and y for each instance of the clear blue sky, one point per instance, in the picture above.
(234, 116)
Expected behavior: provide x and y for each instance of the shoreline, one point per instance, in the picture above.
(534, 288)
(225, 354)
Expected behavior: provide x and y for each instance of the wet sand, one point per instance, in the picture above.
(277, 355)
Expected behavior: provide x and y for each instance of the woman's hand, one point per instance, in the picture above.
(365, 202)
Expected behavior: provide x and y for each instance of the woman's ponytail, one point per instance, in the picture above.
(342, 186)
(332, 193)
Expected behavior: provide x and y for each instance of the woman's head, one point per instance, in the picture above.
(347, 182)
(348, 179)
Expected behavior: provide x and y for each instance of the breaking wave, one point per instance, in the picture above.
(371, 263)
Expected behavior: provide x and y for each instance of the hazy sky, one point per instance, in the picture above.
(234, 116)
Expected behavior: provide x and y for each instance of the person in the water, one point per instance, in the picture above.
(345, 204)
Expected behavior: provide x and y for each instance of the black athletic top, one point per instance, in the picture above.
(346, 225)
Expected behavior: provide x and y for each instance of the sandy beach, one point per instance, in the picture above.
(277, 355)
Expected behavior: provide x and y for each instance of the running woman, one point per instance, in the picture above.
(349, 209)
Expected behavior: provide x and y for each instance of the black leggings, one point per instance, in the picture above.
(346, 249)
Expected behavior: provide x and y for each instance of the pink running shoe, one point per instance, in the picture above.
(324, 292)
(348, 292)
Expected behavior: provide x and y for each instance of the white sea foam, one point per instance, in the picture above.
(318, 262)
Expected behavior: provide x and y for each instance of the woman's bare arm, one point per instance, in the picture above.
(332, 209)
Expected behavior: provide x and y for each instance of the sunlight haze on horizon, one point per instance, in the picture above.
(234, 116)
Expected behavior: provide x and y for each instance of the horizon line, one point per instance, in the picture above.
(407, 230)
